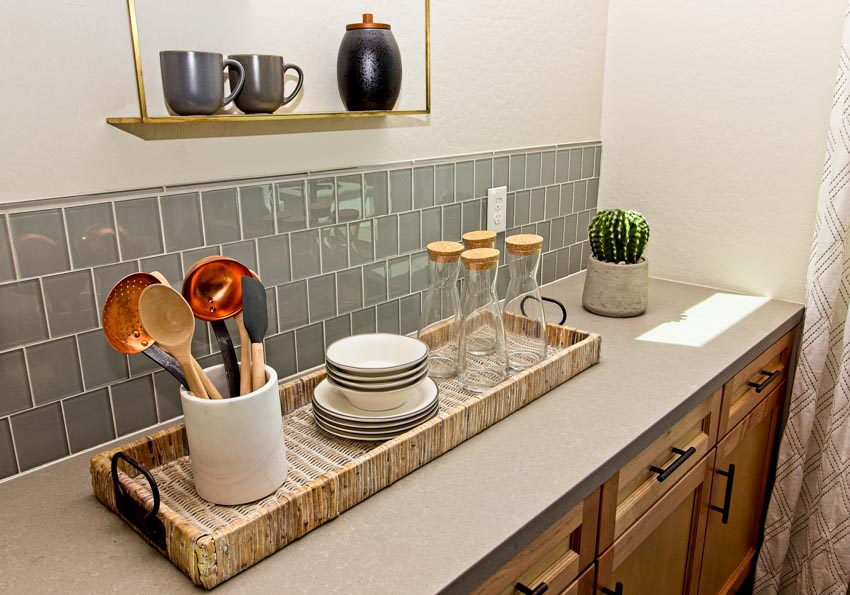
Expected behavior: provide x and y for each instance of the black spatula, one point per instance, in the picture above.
(256, 319)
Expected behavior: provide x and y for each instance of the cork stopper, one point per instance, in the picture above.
(480, 259)
(524, 244)
(479, 239)
(444, 251)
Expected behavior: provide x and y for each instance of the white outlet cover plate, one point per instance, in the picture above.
(497, 208)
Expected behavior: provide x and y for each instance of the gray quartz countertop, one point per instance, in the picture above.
(449, 524)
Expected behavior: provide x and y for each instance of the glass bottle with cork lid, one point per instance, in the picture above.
(479, 239)
(439, 324)
(525, 323)
(482, 357)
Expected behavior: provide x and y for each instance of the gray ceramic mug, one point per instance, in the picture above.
(263, 89)
(193, 82)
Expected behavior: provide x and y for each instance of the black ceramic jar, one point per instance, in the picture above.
(368, 67)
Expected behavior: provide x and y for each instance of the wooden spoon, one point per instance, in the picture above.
(169, 320)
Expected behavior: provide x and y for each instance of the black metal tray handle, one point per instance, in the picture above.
(145, 521)
(545, 299)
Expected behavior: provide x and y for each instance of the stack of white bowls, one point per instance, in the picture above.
(377, 387)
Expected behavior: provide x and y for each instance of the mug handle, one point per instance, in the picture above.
(241, 70)
(297, 69)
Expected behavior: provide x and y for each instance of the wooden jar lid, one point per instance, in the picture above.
(444, 251)
(480, 259)
(368, 23)
(479, 239)
(524, 244)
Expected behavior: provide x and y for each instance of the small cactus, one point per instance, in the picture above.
(618, 236)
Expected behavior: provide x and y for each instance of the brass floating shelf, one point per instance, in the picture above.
(173, 127)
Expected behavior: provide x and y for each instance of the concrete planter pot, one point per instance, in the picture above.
(616, 290)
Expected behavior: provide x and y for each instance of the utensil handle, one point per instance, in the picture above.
(234, 92)
(167, 362)
(258, 366)
(190, 369)
(245, 380)
(292, 95)
(228, 356)
(212, 391)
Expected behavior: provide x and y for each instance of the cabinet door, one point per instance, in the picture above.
(661, 552)
(738, 497)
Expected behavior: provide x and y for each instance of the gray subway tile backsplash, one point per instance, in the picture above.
(339, 253)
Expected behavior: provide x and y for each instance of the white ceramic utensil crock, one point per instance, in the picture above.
(237, 448)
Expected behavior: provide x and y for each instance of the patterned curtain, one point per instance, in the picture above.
(806, 546)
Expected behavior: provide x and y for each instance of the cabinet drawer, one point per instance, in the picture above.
(651, 474)
(556, 558)
(583, 585)
(752, 384)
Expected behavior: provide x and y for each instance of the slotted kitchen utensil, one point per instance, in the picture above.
(256, 318)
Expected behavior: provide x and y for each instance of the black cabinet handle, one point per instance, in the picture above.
(538, 590)
(684, 455)
(146, 521)
(618, 589)
(727, 498)
(771, 376)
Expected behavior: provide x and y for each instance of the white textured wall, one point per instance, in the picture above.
(502, 76)
(714, 126)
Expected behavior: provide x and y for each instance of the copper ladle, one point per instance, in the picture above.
(213, 289)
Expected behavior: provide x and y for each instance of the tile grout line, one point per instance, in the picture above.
(115, 230)
(71, 264)
(65, 426)
(80, 362)
(44, 307)
(14, 447)
(29, 378)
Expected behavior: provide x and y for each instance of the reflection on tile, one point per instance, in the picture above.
(517, 179)
(538, 204)
(304, 248)
(547, 168)
(8, 465)
(431, 225)
(271, 312)
(256, 203)
(321, 202)
(556, 234)
(423, 187)
(167, 264)
(376, 199)
(575, 164)
(106, 277)
(503, 277)
(444, 184)
(245, 252)
(375, 282)
(21, 317)
(562, 264)
(139, 232)
(89, 420)
(69, 299)
(292, 304)
(592, 193)
(579, 196)
(401, 190)
(337, 328)
(181, 221)
(291, 209)
(190, 257)
(167, 396)
(363, 321)
(360, 243)
(334, 248)
(409, 309)
(101, 364)
(399, 276)
(274, 259)
(547, 267)
(465, 180)
(408, 232)
(582, 222)
(15, 395)
(134, 404)
(509, 218)
(386, 236)
(349, 198)
(221, 216)
(570, 230)
(280, 354)
(532, 170)
(567, 193)
(562, 166)
(587, 162)
(597, 161)
(452, 222)
(39, 436)
(388, 317)
(543, 230)
(419, 271)
(310, 346)
(471, 215)
(40, 245)
(350, 294)
(521, 208)
(91, 235)
(322, 297)
(501, 171)
(483, 177)
(575, 258)
(7, 266)
(553, 202)
(54, 370)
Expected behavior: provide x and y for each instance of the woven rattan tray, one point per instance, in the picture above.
(327, 475)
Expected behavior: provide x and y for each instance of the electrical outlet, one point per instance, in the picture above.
(497, 208)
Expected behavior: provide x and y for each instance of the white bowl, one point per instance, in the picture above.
(376, 354)
(376, 386)
(379, 400)
(409, 373)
